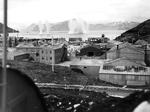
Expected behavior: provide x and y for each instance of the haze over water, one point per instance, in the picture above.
(111, 34)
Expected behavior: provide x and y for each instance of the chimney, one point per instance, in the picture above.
(117, 52)
(105, 51)
(146, 56)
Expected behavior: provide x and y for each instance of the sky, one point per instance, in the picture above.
(24, 12)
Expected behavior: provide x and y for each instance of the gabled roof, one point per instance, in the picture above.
(140, 63)
(141, 42)
(126, 45)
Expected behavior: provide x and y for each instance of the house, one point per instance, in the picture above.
(43, 54)
(58, 53)
(91, 50)
(124, 71)
(127, 50)
(22, 94)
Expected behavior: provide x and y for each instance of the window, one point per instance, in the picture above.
(37, 54)
(107, 67)
(42, 51)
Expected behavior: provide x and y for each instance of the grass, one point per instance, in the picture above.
(42, 73)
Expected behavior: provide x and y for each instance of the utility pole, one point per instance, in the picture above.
(53, 57)
(3, 83)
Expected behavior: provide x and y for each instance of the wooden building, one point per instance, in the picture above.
(127, 50)
(124, 71)
(22, 94)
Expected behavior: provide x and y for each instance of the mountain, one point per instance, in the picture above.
(140, 32)
(10, 30)
(113, 26)
(63, 26)
(35, 28)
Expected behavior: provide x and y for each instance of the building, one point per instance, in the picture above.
(30, 49)
(46, 55)
(22, 94)
(89, 67)
(22, 57)
(75, 40)
(91, 50)
(101, 39)
(127, 50)
(124, 71)
(43, 54)
(141, 42)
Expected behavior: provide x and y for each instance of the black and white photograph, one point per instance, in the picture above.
(74, 55)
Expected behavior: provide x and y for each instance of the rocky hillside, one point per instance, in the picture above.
(141, 31)
(9, 29)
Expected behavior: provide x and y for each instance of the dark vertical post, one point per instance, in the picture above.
(4, 61)
(145, 55)
(117, 52)
(105, 51)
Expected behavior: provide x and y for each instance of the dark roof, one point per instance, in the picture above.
(30, 82)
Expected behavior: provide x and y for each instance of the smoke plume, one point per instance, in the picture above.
(41, 27)
(48, 26)
(77, 26)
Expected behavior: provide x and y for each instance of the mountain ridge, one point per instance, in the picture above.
(63, 26)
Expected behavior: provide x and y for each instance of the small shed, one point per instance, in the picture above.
(22, 94)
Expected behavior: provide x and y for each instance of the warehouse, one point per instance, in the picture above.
(124, 71)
